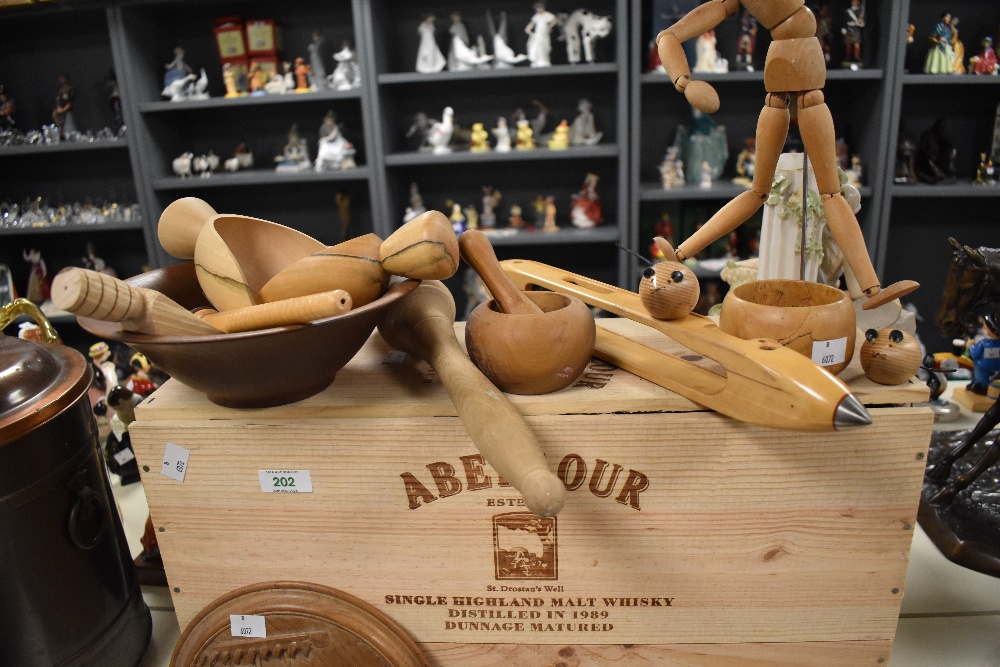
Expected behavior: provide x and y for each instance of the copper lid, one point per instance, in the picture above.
(37, 382)
(307, 625)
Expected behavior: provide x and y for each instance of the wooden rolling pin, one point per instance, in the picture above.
(423, 324)
(764, 383)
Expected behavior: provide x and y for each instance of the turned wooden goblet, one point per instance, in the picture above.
(813, 319)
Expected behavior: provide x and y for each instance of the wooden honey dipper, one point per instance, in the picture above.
(423, 324)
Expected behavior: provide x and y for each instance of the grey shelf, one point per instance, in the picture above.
(951, 80)
(556, 71)
(953, 191)
(248, 101)
(720, 190)
(600, 151)
(70, 229)
(259, 177)
(606, 233)
(64, 147)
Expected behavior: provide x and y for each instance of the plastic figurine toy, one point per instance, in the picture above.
(480, 142)
(583, 131)
(586, 210)
(854, 25)
(890, 356)
(439, 134)
(346, 75)
(62, 113)
(505, 56)
(303, 75)
(794, 73)
(560, 137)
(315, 48)
(985, 355)
(940, 57)
(582, 28)
(525, 136)
(295, 155)
(502, 134)
(746, 42)
(429, 56)
(539, 30)
(986, 61)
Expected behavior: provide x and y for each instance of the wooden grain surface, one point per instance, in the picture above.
(759, 546)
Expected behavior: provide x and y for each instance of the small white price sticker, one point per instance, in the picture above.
(175, 461)
(124, 456)
(394, 357)
(285, 481)
(247, 626)
(829, 352)
(991, 353)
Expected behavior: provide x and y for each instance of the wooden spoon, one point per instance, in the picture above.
(478, 253)
(423, 325)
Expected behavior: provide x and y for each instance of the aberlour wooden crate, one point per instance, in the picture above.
(687, 538)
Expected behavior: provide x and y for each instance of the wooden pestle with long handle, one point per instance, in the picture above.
(298, 310)
(477, 251)
(423, 324)
(101, 297)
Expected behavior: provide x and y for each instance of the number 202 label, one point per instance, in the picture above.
(285, 481)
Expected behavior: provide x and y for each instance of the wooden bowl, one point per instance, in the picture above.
(252, 369)
(813, 319)
(532, 354)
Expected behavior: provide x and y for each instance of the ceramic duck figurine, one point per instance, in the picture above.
(439, 136)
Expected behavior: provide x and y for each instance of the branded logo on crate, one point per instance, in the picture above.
(524, 546)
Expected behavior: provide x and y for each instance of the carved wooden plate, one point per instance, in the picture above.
(307, 625)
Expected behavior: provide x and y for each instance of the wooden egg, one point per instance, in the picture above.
(813, 319)
(890, 356)
(532, 353)
(669, 290)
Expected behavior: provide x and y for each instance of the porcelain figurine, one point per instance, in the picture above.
(824, 31)
(985, 355)
(457, 218)
(702, 140)
(935, 161)
(514, 219)
(462, 55)
(502, 134)
(941, 56)
(794, 73)
(295, 155)
(303, 76)
(504, 56)
(416, 135)
(585, 207)
(178, 90)
(550, 215)
(480, 139)
(182, 165)
(346, 75)
(560, 138)
(672, 169)
(745, 163)
(229, 81)
(906, 152)
(199, 90)
(853, 31)
(664, 228)
(583, 131)
(257, 78)
(491, 199)
(288, 75)
(986, 61)
(39, 284)
(416, 206)
(525, 136)
(315, 48)
(958, 48)
(335, 152)
(985, 172)
(539, 30)
(114, 102)
(6, 110)
(471, 217)
(429, 56)
(439, 133)
(747, 41)
(583, 28)
(62, 112)
(176, 69)
(705, 182)
(709, 59)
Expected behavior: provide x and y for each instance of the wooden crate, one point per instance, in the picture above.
(687, 538)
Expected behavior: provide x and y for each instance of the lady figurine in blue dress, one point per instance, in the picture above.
(940, 58)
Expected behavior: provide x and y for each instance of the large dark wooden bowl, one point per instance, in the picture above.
(251, 369)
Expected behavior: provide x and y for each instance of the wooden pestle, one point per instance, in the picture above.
(422, 324)
(478, 253)
(298, 310)
(101, 297)
(181, 223)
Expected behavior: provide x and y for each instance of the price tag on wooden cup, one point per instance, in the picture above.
(285, 481)
(829, 352)
(175, 461)
(247, 626)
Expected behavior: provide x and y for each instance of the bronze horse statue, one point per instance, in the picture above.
(971, 290)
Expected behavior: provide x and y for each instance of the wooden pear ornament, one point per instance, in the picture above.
(234, 255)
(425, 248)
(890, 356)
(525, 342)
(423, 325)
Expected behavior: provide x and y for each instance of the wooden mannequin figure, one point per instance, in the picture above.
(794, 72)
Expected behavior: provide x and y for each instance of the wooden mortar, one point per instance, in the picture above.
(814, 319)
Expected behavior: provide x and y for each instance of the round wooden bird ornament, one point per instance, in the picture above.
(669, 290)
(890, 356)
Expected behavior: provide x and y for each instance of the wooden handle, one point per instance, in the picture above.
(423, 325)
(101, 297)
(180, 223)
(298, 310)
(477, 251)
(425, 248)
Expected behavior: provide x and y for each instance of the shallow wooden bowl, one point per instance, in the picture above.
(800, 315)
(252, 369)
(532, 354)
